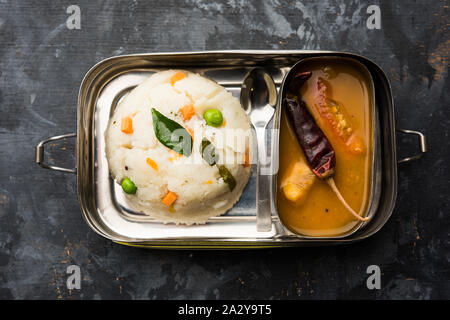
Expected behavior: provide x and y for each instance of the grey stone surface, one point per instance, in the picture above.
(41, 228)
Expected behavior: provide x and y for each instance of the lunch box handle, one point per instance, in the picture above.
(39, 153)
(423, 145)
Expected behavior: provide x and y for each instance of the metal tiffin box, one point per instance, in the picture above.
(101, 199)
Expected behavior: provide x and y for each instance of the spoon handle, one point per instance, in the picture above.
(263, 184)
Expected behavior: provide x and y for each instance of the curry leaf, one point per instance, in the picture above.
(208, 152)
(227, 177)
(171, 134)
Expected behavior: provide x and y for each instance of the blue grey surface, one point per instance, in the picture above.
(42, 231)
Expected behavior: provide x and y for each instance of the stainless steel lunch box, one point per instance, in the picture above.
(101, 200)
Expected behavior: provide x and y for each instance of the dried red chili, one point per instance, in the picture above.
(318, 150)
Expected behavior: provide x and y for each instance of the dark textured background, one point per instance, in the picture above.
(41, 228)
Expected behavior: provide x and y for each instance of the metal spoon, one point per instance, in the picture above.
(258, 98)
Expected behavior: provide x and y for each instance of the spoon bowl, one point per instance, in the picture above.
(259, 98)
(258, 92)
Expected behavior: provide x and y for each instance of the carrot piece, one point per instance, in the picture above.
(174, 154)
(246, 160)
(191, 132)
(177, 77)
(127, 125)
(152, 164)
(169, 198)
(187, 111)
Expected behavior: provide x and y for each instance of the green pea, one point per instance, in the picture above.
(128, 186)
(213, 117)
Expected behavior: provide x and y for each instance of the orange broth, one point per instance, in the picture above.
(322, 214)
